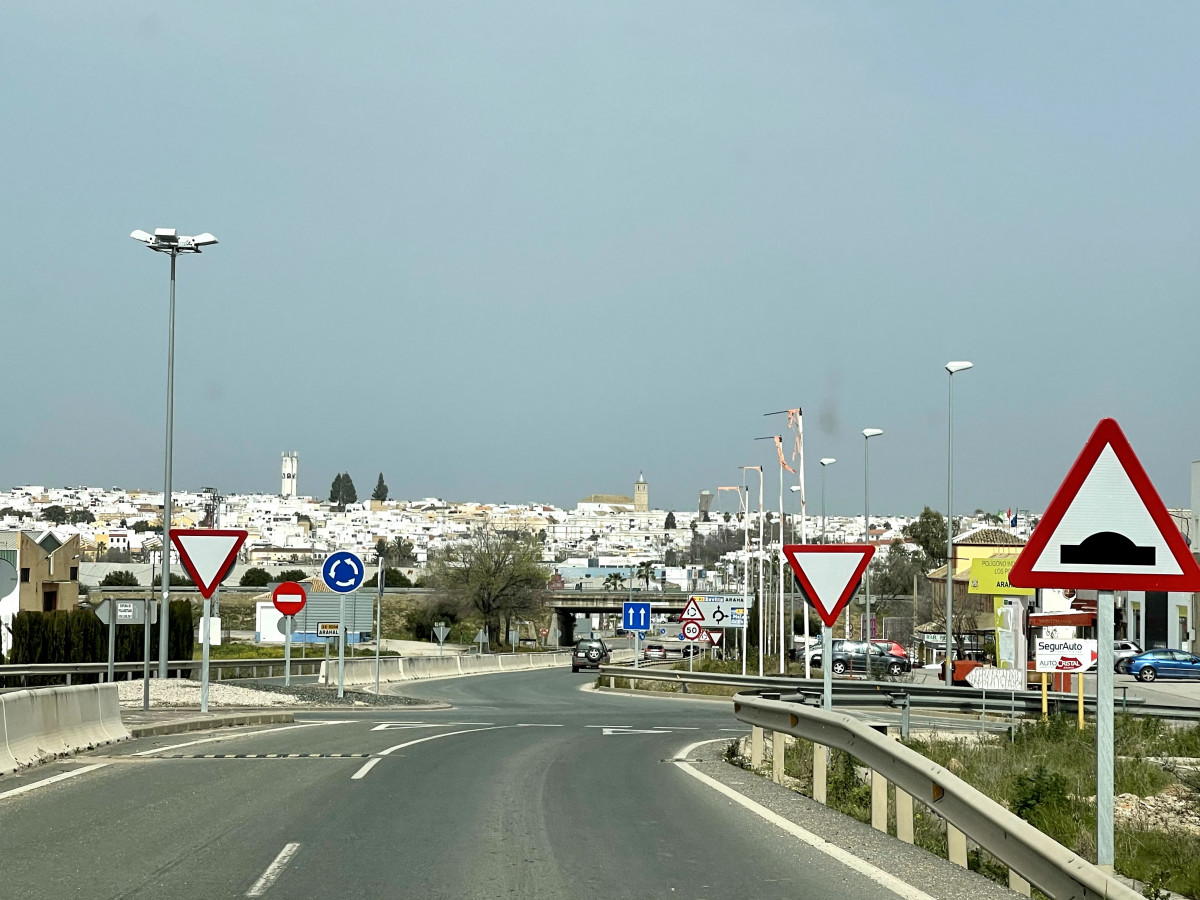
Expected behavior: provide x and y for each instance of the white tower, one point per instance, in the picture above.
(641, 494)
(291, 465)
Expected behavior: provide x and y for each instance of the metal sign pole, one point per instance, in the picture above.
(112, 639)
(378, 619)
(1104, 731)
(827, 667)
(205, 628)
(147, 605)
(287, 651)
(341, 646)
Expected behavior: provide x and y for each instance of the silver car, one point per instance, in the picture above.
(1123, 652)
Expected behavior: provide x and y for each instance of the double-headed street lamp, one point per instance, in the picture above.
(951, 368)
(868, 433)
(165, 240)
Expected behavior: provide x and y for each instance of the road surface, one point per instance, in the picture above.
(527, 788)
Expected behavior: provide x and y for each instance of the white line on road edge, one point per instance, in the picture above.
(880, 877)
(239, 734)
(62, 776)
(370, 764)
(274, 870)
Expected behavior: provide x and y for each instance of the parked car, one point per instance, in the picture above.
(1123, 651)
(851, 656)
(655, 651)
(890, 647)
(590, 653)
(1155, 664)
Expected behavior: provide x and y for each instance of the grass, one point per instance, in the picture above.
(242, 650)
(1046, 775)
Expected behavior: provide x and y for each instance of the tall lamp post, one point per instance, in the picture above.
(951, 368)
(826, 462)
(868, 433)
(165, 240)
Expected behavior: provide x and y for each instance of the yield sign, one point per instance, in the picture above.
(714, 637)
(829, 573)
(1107, 528)
(691, 612)
(207, 554)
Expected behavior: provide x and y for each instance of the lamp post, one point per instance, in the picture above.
(868, 433)
(827, 461)
(761, 598)
(165, 240)
(951, 368)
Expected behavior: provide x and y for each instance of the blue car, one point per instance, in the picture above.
(1155, 664)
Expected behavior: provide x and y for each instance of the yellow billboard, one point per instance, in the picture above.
(990, 576)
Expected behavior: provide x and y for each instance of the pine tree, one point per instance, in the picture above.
(335, 490)
(381, 490)
(349, 495)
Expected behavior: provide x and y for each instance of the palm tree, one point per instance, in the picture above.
(613, 582)
(645, 571)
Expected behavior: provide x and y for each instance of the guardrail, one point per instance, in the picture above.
(1032, 857)
(220, 668)
(902, 695)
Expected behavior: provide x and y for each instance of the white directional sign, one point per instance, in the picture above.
(829, 573)
(1064, 655)
(128, 612)
(1107, 528)
(715, 611)
(207, 554)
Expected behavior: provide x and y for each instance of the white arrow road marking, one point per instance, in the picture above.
(880, 877)
(241, 734)
(636, 731)
(274, 870)
(388, 726)
(62, 776)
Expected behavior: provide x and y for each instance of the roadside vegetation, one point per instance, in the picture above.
(1045, 773)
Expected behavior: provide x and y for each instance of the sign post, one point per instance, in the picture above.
(829, 574)
(378, 620)
(343, 573)
(635, 617)
(289, 598)
(1106, 529)
(208, 555)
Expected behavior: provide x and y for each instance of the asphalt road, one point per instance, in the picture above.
(526, 788)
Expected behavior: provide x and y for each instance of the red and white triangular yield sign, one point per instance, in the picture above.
(207, 553)
(1107, 528)
(692, 612)
(829, 573)
(714, 637)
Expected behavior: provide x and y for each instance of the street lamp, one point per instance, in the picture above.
(868, 433)
(827, 461)
(165, 240)
(951, 368)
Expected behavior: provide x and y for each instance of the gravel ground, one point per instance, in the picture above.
(182, 692)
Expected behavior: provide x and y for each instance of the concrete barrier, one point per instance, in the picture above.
(41, 724)
(361, 671)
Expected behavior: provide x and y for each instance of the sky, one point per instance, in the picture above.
(518, 251)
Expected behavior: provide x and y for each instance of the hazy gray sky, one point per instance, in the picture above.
(521, 251)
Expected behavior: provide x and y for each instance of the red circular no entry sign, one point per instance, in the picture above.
(289, 598)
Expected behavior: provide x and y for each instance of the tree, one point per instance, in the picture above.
(498, 574)
(420, 619)
(670, 521)
(291, 575)
(893, 575)
(335, 490)
(928, 532)
(645, 571)
(143, 526)
(120, 578)
(81, 516)
(177, 580)
(381, 549)
(613, 581)
(402, 552)
(9, 511)
(381, 490)
(349, 495)
(391, 578)
(55, 514)
(255, 577)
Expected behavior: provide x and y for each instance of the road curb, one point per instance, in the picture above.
(665, 695)
(178, 726)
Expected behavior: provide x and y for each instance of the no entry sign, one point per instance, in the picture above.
(289, 598)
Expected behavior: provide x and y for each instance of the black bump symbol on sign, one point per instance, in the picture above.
(1106, 547)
